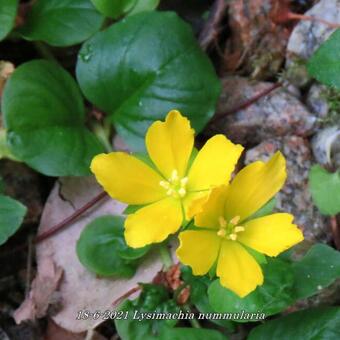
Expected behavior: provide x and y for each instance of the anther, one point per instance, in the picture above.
(233, 237)
(222, 222)
(164, 184)
(184, 181)
(222, 232)
(238, 229)
(174, 176)
(182, 192)
(235, 220)
(170, 192)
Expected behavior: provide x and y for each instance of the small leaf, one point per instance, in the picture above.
(325, 63)
(325, 189)
(114, 9)
(61, 22)
(142, 67)
(321, 323)
(315, 271)
(182, 333)
(101, 248)
(144, 5)
(8, 11)
(45, 119)
(12, 214)
(4, 150)
(270, 298)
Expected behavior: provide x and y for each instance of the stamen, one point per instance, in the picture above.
(222, 222)
(239, 229)
(233, 237)
(184, 181)
(222, 232)
(174, 176)
(235, 220)
(164, 184)
(182, 192)
(170, 192)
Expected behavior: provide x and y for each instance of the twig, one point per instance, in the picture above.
(61, 225)
(126, 295)
(247, 103)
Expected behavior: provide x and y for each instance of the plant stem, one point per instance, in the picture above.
(165, 256)
(103, 134)
(248, 102)
(44, 51)
(194, 323)
(61, 225)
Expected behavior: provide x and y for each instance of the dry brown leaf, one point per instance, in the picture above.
(79, 288)
(42, 293)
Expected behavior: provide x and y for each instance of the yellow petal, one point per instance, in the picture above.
(271, 234)
(153, 223)
(193, 203)
(127, 179)
(170, 143)
(214, 163)
(254, 186)
(237, 269)
(213, 209)
(198, 249)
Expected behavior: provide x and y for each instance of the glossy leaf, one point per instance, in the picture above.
(12, 214)
(325, 63)
(321, 323)
(144, 5)
(270, 298)
(315, 271)
(8, 11)
(144, 66)
(325, 189)
(101, 248)
(61, 22)
(114, 9)
(44, 115)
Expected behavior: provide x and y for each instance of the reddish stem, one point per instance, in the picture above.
(248, 102)
(61, 225)
(335, 231)
(126, 295)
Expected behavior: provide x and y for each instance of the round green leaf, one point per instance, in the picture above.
(8, 11)
(144, 5)
(144, 66)
(101, 248)
(44, 115)
(315, 271)
(113, 9)
(12, 214)
(272, 297)
(325, 189)
(318, 324)
(325, 62)
(62, 22)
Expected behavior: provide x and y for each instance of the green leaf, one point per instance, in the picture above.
(101, 248)
(144, 66)
(45, 119)
(4, 150)
(325, 63)
(114, 9)
(8, 11)
(153, 299)
(321, 323)
(270, 298)
(325, 189)
(144, 5)
(12, 214)
(316, 270)
(61, 22)
(182, 333)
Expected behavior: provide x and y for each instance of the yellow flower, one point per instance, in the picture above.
(227, 228)
(175, 190)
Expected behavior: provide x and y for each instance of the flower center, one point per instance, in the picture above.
(175, 186)
(229, 229)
